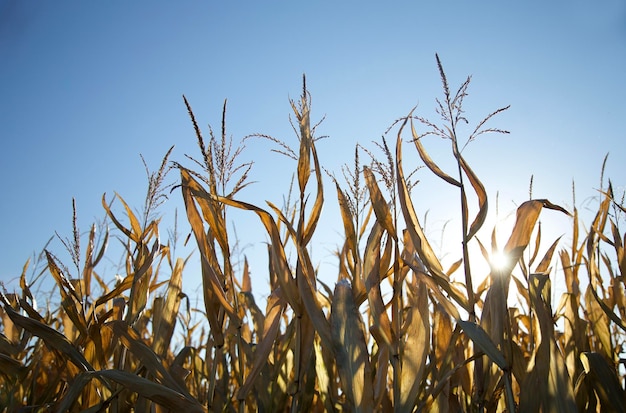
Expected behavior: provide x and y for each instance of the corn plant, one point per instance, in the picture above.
(397, 332)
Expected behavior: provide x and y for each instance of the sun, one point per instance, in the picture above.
(499, 260)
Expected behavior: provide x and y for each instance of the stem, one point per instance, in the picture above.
(298, 355)
(471, 300)
(217, 351)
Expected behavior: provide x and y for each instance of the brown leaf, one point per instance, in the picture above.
(350, 349)
(416, 347)
(276, 307)
(158, 393)
(479, 188)
(427, 159)
(51, 337)
(381, 208)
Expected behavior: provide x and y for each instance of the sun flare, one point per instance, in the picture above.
(499, 260)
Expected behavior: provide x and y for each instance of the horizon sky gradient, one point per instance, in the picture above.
(88, 87)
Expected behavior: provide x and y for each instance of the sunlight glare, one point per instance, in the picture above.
(499, 260)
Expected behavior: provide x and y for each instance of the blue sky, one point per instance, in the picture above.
(89, 86)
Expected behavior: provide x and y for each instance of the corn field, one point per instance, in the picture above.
(397, 331)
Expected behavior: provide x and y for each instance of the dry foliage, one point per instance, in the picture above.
(432, 344)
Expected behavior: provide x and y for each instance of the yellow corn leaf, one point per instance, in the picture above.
(316, 211)
(74, 392)
(380, 362)
(348, 338)
(535, 250)
(276, 306)
(427, 159)
(420, 243)
(323, 378)
(544, 265)
(599, 321)
(348, 221)
(158, 393)
(137, 233)
(306, 285)
(210, 210)
(484, 342)
(23, 283)
(602, 378)
(126, 283)
(416, 347)
(70, 300)
(521, 289)
(128, 233)
(455, 266)
(149, 359)
(88, 266)
(479, 188)
(51, 337)
(381, 209)
(140, 286)
(527, 215)
(164, 317)
(100, 345)
(381, 328)
(214, 294)
(442, 335)
(277, 256)
(607, 310)
(547, 386)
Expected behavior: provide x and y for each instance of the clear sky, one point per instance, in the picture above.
(88, 86)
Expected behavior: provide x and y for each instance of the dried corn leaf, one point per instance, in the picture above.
(381, 208)
(132, 341)
(140, 287)
(323, 375)
(211, 210)
(602, 378)
(277, 253)
(416, 347)
(380, 362)
(484, 342)
(11, 367)
(544, 266)
(158, 393)
(427, 159)
(599, 321)
(164, 318)
(547, 385)
(117, 223)
(607, 310)
(420, 242)
(348, 221)
(74, 392)
(381, 329)
(126, 284)
(137, 233)
(51, 337)
(316, 211)
(69, 297)
(306, 287)
(214, 295)
(483, 206)
(350, 349)
(276, 306)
